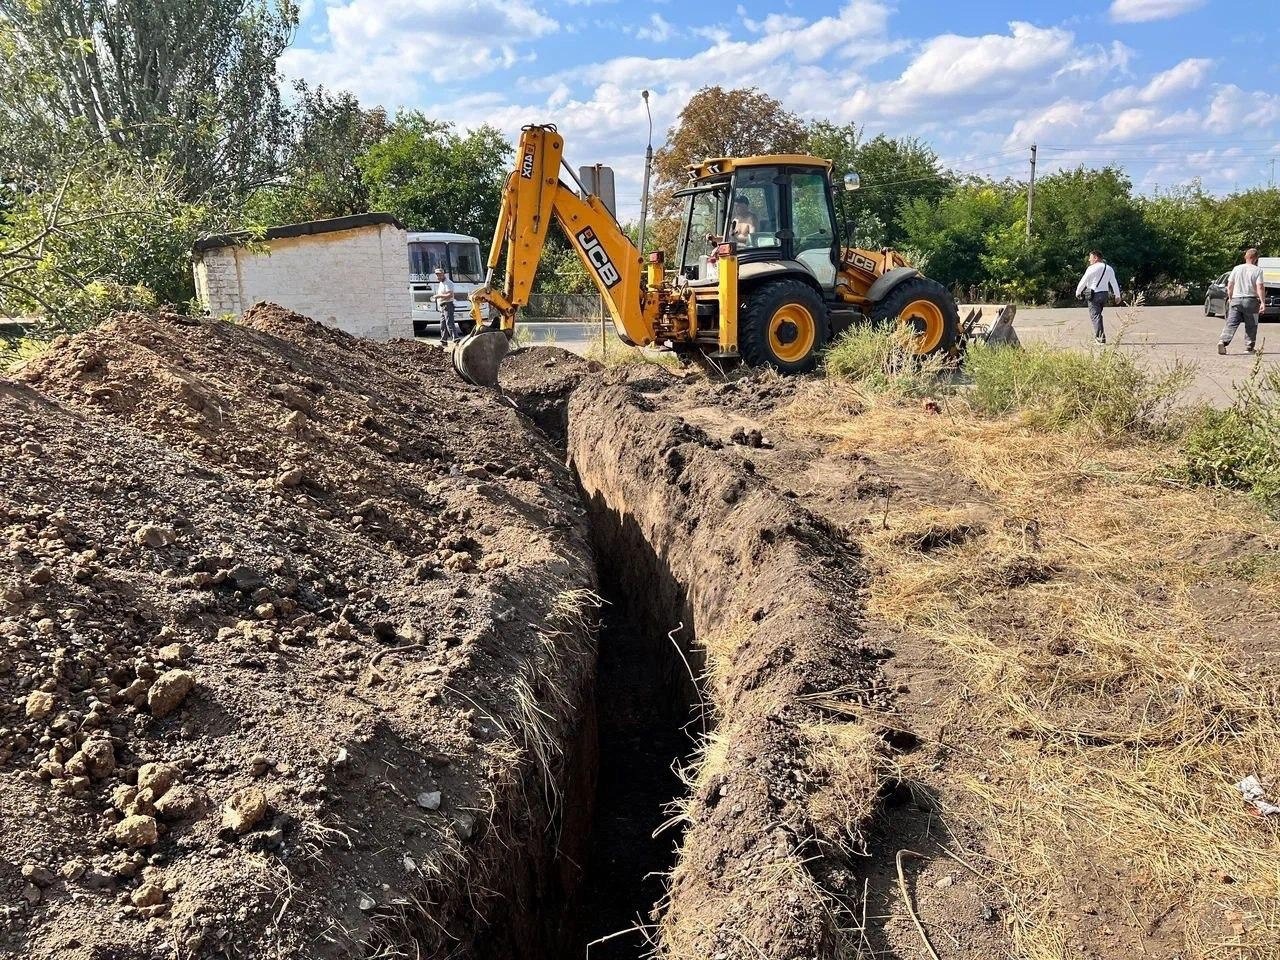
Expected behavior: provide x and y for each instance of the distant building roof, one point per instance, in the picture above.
(304, 229)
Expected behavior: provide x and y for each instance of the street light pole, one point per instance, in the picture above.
(648, 166)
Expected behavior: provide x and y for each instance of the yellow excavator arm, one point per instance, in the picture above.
(532, 198)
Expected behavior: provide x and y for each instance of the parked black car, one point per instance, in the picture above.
(1215, 300)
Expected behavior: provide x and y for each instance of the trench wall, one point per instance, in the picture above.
(770, 597)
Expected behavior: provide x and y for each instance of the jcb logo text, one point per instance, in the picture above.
(598, 257)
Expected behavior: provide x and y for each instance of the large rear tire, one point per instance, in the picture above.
(782, 324)
(927, 307)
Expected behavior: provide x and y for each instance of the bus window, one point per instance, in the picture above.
(465, 263)
(425, 258)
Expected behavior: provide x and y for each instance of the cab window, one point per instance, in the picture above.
(753, 214)
(705, 228)
(811, 213)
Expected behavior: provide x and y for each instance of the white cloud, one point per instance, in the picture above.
(382, 51)
(980, 100)
(772, 23)
(1233, 110)
(952, 66)
(1187, 75)
(658, 30)
(1147, 123)
(1142, 11)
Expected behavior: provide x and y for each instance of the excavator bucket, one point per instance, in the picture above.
(479, 355)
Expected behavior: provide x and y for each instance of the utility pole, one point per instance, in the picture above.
(1031, 190)
(1271, 180)
(648, 166)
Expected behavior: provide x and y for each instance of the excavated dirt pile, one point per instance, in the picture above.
(294, 654)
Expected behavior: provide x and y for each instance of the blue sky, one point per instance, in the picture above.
(1173, 90)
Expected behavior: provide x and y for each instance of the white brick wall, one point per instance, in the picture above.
(356, 280)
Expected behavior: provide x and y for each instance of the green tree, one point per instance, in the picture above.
(188, 82)
(320, 177)
(1192, 240)
(102, 230)
(1253, 217)
(894, 172)
(434, 178)
(1079, 210)
(956, 231)
(721, 123)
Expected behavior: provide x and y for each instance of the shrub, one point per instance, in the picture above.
(1239, 448)
(880, 359)
(1105, 391)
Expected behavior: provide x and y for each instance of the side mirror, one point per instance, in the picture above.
(852, 181)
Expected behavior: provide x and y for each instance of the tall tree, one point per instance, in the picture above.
(434, 178)
(193, 81)
(320, 175)
(1078, 210)
(721, 123)
(1255, 216)
(895, 171)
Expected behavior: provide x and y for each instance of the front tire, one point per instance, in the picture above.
(1208, 307)
(927, 307)
(783, 324)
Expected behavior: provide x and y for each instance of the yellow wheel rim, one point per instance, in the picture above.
(925, 317)
(792, 333)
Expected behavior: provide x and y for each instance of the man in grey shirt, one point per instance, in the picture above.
(1245, 293)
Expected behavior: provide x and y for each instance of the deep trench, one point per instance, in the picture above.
(648, 716)
(647, 729)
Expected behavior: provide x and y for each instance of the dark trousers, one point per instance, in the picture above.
(1242, 309)
(448, 326)
(1096, 303)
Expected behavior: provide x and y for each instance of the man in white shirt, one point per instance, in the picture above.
(444, 301)
(1245, 294)
(1097, 286)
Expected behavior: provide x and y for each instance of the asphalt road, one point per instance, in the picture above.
(1157, 336)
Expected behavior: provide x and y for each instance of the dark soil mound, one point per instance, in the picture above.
(290, 638)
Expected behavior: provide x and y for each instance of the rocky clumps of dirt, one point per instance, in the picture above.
(263, 586)
(769, 598)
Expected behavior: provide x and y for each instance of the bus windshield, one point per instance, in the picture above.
(424, 259)
(460, 261)
(465, 263)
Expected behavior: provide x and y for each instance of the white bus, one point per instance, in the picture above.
(460, 258)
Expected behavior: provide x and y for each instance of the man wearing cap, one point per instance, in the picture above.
(1245, 293)
(443, 298)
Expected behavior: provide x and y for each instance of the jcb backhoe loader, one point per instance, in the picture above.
(761, 277)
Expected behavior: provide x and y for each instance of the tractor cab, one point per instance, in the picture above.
(776, 210)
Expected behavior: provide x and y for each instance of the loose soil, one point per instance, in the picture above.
(294, 639)
(300, 659)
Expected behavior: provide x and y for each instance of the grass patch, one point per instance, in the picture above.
(1105, 391)
(1112, 700)
(1239, 448)
(880, 359)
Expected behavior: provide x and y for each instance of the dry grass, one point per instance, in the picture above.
(615, 353)
(1118, 709)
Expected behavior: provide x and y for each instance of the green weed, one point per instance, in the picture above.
(1105, 391)
(880, 359)
(1239, 448)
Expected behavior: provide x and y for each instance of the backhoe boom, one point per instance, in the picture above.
(533, 197)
